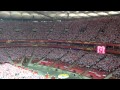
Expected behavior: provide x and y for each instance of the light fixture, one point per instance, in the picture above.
(63, 14)
(72, 15)
(92, 14)
(102, 13)
(113, 12)
(82, 15)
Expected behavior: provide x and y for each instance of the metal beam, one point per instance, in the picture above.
(42, 13)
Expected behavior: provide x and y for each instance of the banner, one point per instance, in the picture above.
(101, 49)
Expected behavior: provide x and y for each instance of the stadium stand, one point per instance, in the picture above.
(104, 29)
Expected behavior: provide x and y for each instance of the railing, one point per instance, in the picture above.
(58, 44)
(59, 41)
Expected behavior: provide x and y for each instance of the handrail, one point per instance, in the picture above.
(58, 46)
(59, 41)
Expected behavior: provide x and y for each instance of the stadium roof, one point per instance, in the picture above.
(54, 14)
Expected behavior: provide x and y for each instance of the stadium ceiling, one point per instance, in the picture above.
(54, 14)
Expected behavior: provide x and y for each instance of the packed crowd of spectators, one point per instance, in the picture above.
(89, 60)
(116, 74)
(56, 53)
(8, 71)
(72, 56)
(109, 63)
(104, 29)
(15, 53)
(93, 60)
